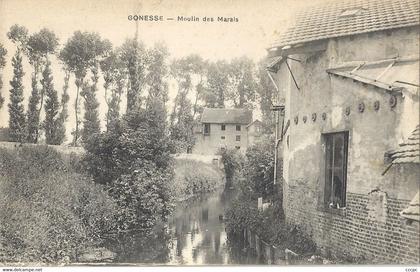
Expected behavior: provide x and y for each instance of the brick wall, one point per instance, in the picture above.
(353, 233)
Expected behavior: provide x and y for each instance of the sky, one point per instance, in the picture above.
(258, 23)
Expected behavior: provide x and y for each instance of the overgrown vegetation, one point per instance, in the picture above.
(132, 160)
(253, 178)
(194, 178)
(50, 212)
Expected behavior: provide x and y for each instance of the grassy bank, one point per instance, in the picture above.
(195, 177)
(50, 211)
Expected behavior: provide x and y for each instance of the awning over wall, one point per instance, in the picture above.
(391, 75)
(273, 64)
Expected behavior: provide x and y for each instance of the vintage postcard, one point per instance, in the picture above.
(227, 132)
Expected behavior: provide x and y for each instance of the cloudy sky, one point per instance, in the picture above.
(258, 23)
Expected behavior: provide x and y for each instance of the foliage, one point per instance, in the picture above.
(133, 160)
(143, 196)
(132, 55)
(49, 213)
(114, 72)
(232, 161)
(242, 82)
(139, 135)
(52, 105)
(91, 124)
(157, 72)
(269, 225)
(63, 115)
(3, 53)
(189, 73)
(18, 35)
(40, 44)
(194, 177)
(81, 52)
(16, 110)
(37, 48)
(242, 214)
(32, 113)
(267, 97)
(217, 83)
(259, 169)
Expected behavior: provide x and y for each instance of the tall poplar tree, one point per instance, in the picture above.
(16, 109)
(17, 123)
(52, 106)
(3, 53)
(63, 115)
(81, 53)
(38, 46)
(91, 124)
(132, 54)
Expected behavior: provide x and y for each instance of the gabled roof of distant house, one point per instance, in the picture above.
(226, 116)
(256, 122)
(412, 212)
(409, 150)
(349, 17)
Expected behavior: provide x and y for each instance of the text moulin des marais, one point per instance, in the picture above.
(156, 18)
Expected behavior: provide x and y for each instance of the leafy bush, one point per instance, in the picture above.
(48, 212)
(138, 136)
(195, 177)
(259, 169)
(268, 224)
(232, 161)
(143, 196)
(255, 179)
(133, 160)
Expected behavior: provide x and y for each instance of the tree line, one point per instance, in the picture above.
(130, 71)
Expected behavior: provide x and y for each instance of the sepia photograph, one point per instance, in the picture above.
(279, 134)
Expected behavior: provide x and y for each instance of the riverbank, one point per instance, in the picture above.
(50, 210)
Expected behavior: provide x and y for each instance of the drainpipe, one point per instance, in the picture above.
(276, 132)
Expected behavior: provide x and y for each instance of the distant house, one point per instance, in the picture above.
(222, 129)
(348, 72)
(255, 131)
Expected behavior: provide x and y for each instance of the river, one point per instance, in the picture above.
(195, 235)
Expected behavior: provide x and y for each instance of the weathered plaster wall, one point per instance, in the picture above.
(211, 144)
(370, 226)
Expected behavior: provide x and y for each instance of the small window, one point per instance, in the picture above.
(351, 12)
(238, 138)
(206, 128)
(336, 169)
(238, 127)
(238, 147)
(223, 127)
(222, 137)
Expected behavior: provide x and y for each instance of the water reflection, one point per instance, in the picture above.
(195, 235)
(198, 231)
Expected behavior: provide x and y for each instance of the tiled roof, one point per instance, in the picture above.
(413, 210)
(348, 17)
(408, 151)
(226, 116)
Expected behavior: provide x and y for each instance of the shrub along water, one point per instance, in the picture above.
(48, 212)
(253, 178)
(132, 159)
(193, 178)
